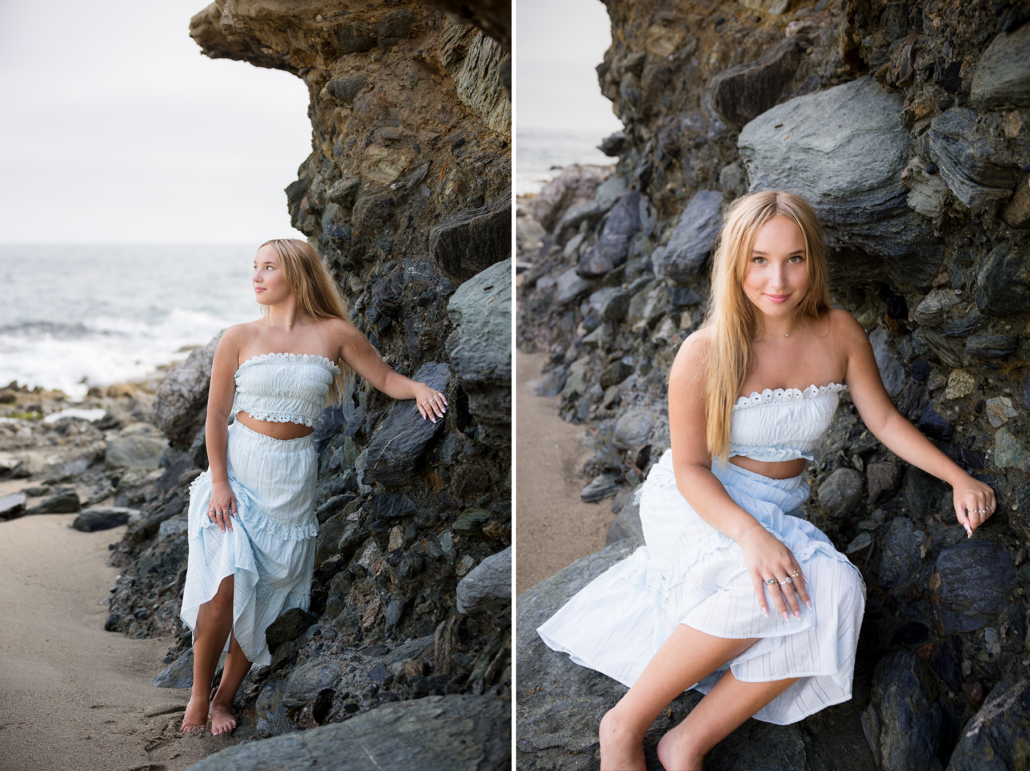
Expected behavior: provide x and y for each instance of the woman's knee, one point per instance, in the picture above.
(222, 601)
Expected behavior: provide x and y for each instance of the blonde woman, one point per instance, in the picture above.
(730, 595)
(252, 525)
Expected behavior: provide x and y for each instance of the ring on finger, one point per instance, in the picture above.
(796, 573)
(786, 580)
(771, 581)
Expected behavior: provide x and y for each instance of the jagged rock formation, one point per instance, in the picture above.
(406, 196)
(908, 127)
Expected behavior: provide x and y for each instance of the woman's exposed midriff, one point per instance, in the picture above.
(784, 469)
(277, 430)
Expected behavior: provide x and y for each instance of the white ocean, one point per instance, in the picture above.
(540, 155)
(75, 316)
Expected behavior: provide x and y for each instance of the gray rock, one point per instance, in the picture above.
(473, 240)
(480, 349)
(891, 371)
(135, 451)
(627, 524)
(571, 286)
(972, 169)
(849, 169)
(148, 527)
(612, 247)
(29, 464)
(12, 506)
(394, 27)
(552, 383)
(971, 585)
(308, 680)
(346, 88)
(1002, 282)
(615, 305)
(599, 488)
(910, 719)
(899, 559)
(401, 438)
(743, 92)
(841, 493)
(615, 373)
(270, 712)
(991, 346)
(1003, 74)
(937, 307)
(591, 211)
(632, 429)
(684, 257)
(65, 501)
(289, 626)
(180, 404)
(995, 737)
(172, 527)
(487, 588)
(354, 38)
(436, 733)
(178, 674)
(576, 185)
(104, 518)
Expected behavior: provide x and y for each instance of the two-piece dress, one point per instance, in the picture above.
(271, 549)
(690, 573)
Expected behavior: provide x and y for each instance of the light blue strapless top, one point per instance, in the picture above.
(785, 424)
(284, 387)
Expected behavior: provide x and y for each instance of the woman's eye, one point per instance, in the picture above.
(758, 260)
(796, 258)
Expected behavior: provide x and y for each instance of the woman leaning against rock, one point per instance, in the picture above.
(252, 524)
(690, 609)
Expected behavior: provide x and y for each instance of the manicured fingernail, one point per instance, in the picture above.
(785, 616)
(797, 614)
(809, 604)
(765, 612)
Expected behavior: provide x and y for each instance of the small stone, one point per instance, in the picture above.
(471, 522)
(999, 410)
(12, 506)
(465, 564)
(859, 543)
(396, 538)
(960, 383)
(1009, 452)
(64, 501)
(103, 518)
(615, 373)
(599, 488)
(882, 478)
(487, 589)
(841, 493)
(632, 429)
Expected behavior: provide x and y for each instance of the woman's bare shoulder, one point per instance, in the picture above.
(845, 328)
(691, 355)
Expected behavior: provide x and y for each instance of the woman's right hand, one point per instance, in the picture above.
(222, 506)
(768, 558)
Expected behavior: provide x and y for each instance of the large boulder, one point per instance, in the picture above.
(612, 247)
(473, 240)
(904, 724)
(684, 257)
(843, 151)
(480, 349)
(487, 588)
(744, 91)
(180, 404)
(1002, 77)
(971, 584)
(995, 739)
(436, 733)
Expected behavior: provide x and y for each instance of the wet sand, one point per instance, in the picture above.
(73, 696)
(554, 528)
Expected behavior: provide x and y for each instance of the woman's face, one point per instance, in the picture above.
(268, 282)
(776, 278)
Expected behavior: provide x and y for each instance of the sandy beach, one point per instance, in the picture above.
(72, 696)
(555, 527)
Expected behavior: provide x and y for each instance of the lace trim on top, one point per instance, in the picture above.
(279, 417)
(787, 395)
(292, 358)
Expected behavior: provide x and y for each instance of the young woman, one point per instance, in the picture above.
(757, 386)
(252, 525)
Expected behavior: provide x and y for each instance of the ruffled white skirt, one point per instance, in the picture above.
(271, 548)
(690, 573)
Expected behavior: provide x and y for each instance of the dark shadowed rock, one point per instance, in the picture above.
(907, 715)
(614, 305)
(684, 257)
(882, 478)
(551, 384)
(615, 373)
(480, 349)
(891, 371)
(473, 240)
(590, 211)
(436, 733)
(487, 588)
(346, 88)
(289, 626)
(308, 680)
(401, 438)
(354, 38)
(180, 403)
(841, 493)
(64, 501)
(971, 584)
(969, 165)
(612, 247)
(627, 524)
(991, 346)
(1002, 77)
(12, 506)
(103, 518)
(1003, 282)
(394, 28)
(178, 674)
(900, 556)
(849, 168)
(744, 91)
(599, 488)
(995, 738)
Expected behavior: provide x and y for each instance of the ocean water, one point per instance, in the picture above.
(541, 153)
(75, 316)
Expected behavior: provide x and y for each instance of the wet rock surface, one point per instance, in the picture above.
(907, 128)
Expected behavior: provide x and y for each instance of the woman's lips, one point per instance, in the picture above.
(778, 298)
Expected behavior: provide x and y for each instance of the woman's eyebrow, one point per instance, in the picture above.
(763, 254)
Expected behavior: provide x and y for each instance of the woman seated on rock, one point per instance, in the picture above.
(252, 524)
(757, 386)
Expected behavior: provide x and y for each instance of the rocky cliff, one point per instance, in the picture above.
(406, 196)
(907, 125)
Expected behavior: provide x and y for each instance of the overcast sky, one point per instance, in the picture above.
(557, 45)
(116, 129)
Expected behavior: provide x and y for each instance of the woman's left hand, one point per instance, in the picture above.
(431, 403)
(974, 503)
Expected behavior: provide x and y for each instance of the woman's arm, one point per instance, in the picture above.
(765, 556)
(974, 501)
(216, 427)
(360, 356)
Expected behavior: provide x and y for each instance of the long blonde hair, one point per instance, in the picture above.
(733, 319)
(313, 286)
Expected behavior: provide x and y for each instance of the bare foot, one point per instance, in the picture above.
(222, 720)
(621, 750)
(196, 716)
(675, 754)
